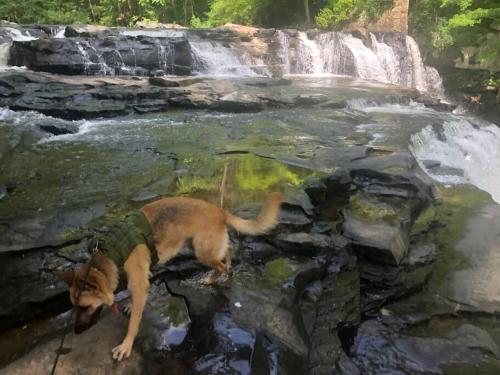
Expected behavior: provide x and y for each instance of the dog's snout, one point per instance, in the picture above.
(79, 328)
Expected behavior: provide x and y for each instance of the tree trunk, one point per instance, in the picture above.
(306, 9)
(92, 11)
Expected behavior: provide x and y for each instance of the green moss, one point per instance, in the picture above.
(277, 272)
(424, 220)
(176, 311)
(367, 208)
(394, 170)
(458, 204)
(249, 178)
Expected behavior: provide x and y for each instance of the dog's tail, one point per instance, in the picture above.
(267, 219)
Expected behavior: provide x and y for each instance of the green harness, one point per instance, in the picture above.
(119, 239)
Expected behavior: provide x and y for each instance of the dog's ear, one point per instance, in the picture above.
(67, 276)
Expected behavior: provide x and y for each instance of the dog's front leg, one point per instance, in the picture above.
(139, 298)
(137, 268)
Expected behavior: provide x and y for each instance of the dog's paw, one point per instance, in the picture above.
(122, 351)
(127, 309)
(208, 280)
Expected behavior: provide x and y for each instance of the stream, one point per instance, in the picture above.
(56, 185)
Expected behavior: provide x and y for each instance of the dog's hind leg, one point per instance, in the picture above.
(137, 269)
(228, 259)
(210, 250)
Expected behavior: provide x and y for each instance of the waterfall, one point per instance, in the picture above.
(4, 54)
(396, 60)
(384, 57)
(388, 59)
(284, 50)
(417, 70)
(308, 56)
(214, 59)
(368, 66)
(90, 66)
(461, 152)
(59, 32)
(14, 35)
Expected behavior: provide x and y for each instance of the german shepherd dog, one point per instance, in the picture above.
(173, 222)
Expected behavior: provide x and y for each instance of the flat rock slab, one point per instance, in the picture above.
(90, 353)
(479, 285)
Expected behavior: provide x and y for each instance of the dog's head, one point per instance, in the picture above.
(88, 292)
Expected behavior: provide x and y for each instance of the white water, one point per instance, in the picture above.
(15, 35)
(284, 41)
(368, 65)
(308, 56)
(461, 153)
(60, 33)
(163, 33)
(214, 59)
(417, 70)
(343, 54)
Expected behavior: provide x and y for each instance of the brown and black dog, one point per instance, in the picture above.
(173, 221)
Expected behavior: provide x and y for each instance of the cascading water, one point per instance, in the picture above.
(388, 59)
(384, 57)
(459, 153)
(308, 56)
(368, 66)
(417, 71)
(212, 58)
(397, 61)
(14, 35)
(284, 50)
(100, 66)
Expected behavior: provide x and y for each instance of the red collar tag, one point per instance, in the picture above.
(114, 309)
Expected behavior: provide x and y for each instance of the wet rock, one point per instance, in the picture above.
(88, 352)
(73, 31)
(316, 190)
(337, 313)
(379, 242)
(311, 243)
(165, 323)
(240, 102)
(254, 311)
(57, 130)
(310, 100)
(267, 82)
(106, 55)
(378, 349)
(383, 283)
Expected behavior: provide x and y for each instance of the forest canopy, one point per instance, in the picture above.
(436, 24)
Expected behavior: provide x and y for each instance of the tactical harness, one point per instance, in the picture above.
(117, 240)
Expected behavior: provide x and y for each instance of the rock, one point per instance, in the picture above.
(89, 352)
(164, 82)
(336, 315)
(158, 25)
(73, 31)
(304, 242)
(240, 102)
(267, 82)
(378, 349)
(105, 55)
(379, 242)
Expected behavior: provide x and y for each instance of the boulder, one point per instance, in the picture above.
(105, 55)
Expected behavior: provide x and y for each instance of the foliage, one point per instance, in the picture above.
(438, 24)
(195, 13)
(106, 12)
(235, 11)
(337, 13)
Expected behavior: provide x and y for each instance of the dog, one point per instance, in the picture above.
(156, 232)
